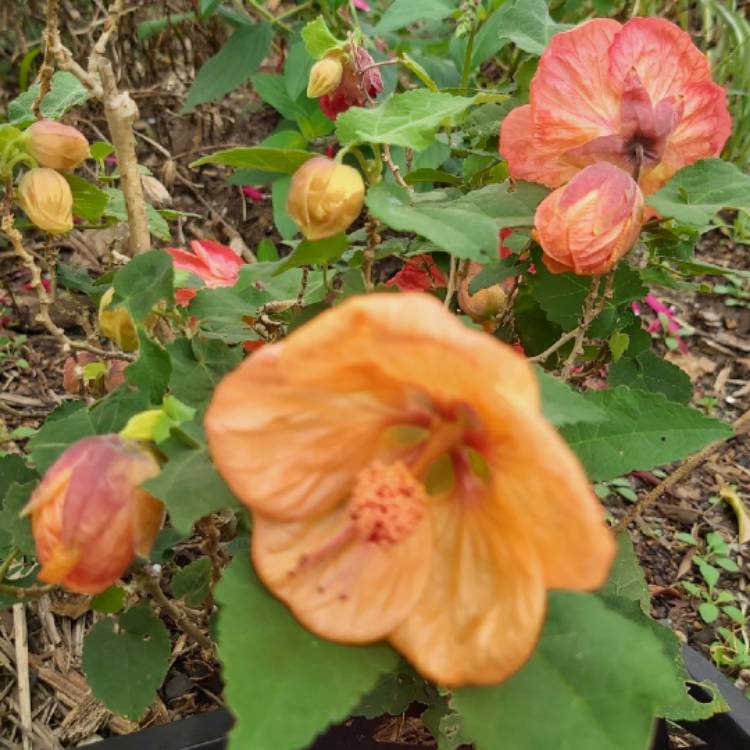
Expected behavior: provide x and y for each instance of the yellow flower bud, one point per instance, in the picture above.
(56, 145)
(46, 198)
(117, 324)
(325, 77)
(325, 197)
(484, 304)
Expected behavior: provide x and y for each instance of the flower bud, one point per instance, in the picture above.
(155, 192)
(586, 226)
(360, 81)
(46, 198)
(485, 303)
(325, 76)
(325, 197)
(89, 516)
(116, 324)
(56, 145)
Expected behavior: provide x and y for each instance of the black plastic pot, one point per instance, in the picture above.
(728, 731)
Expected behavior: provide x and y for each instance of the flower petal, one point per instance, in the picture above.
(223, 263)
(353, 591)
(573, 98)
(528, 159)
(291, 448)
(188, 262)
(541, 484)
(662, 54)
(482, 609)
(406, 342)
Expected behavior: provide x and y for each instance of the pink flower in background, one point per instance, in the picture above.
(216, 264)
(638, 95)
(253, 193)
(665, 321)
(362, 5)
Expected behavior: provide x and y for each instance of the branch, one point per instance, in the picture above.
(46, 70)
(679, 473)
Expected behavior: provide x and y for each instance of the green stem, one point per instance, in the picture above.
(12, 554)
(466, 72)
(294, 11)
(355, 17)
(270, 17)
(24, 592)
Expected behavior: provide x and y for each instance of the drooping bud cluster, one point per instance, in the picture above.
(325, 197)
(344, 80)
(44, 194)
(90, 516)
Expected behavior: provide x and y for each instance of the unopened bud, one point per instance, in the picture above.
(116, 324)
(586, 226)
(484, 303)
(56, 145)
(325, 197)
(325, 76)
(154, 192)
(89, 515)
(46, 198)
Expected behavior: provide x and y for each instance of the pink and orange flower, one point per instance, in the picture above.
(404, 485)
(638, 95)
(216, 264)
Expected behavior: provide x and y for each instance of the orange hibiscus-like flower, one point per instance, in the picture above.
(639, 95)
(404, 485)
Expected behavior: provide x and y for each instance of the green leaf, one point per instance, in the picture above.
(67, 424)
(278, 663)
(89, 201)
(198, 366)
(16, 498)
(562, 405)
(528, 24)
(111, 601)
(151, 372)
(618, 344)
(13, 469)
(393, 694)
(191, 488)
(192, 583)
(112, 413)
(411, 119)
(696, 193)
(595, 682)
(267, 159)
(490, 38)
(318, 39)
(124, 669)
(65, 92)
(626, 577)
(221, 313)
(157, 224)
(648, 372)
(456, 226)
(284, 223)
(641, 430)
(145, 281)
(231, 66)
(403, 12)
(320, 252)
(494, 273)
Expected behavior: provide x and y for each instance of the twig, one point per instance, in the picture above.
(451, 289)
(395, 169)
(46, 70)
(211, 546)
(268, 16)
(373, 240)
(300, 301)
(180, 618)
(45, 300)
(24, 592)
(557, 345)
(20, 638)
(679, 473)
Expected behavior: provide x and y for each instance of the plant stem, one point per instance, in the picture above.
(47, 69)
(268, 16)
(450, 291)
(466, 72)
(679, 473)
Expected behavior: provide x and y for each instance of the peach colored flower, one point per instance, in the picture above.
(216, 264)
(404, 485)
(56, 145)
(639, 95)
(90, 517)
(588, 225)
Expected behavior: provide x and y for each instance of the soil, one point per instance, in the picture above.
(158, 72)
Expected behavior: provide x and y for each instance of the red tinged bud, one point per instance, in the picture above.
(55, 145)
(89, 516)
